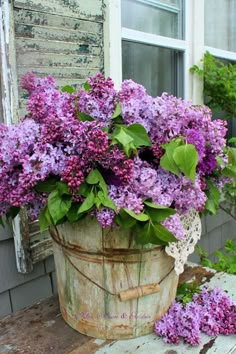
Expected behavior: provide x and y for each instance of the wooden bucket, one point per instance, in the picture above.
(109, 287)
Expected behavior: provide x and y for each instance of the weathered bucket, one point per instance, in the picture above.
(109, 287)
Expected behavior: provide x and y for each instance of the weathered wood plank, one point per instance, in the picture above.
(40, 45)
(59, 73)
(39, 59)
(89, 9)
(64, 35)
(41, 250)
(8, 64)
(63, 38)
(99, 264)
(34, 18)
(21, 240)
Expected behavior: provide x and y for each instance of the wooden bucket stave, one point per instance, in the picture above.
(103, 278)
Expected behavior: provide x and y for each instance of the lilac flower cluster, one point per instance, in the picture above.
(211, 312)
(52, 141)
(99, 102)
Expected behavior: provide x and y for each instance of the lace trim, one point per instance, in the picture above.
(180, 250)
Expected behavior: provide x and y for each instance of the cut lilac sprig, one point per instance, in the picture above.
(211, 312)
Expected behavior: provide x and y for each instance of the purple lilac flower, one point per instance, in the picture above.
(174, 225)
(195, 138)
(99, 102)
(136, 105)
(211, 312)
(167, 326)
(105, 217)
(51, 140)
(124, 197)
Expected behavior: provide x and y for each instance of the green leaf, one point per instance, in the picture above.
(232, 268)
(117, 111)
(68, 89)
(58, 206)
(167, 161)
(95, 177)
(46, 186)
(45, 219)
(124, 220)
(140, 217)
(162, 233)
(232, 140)
(156, 206)
(159, 215)
(229, 171)
(153, 233)
(213, 197)
(130, 137)
(143, 233)
(231, 152)
(139, 134)
(158, 212)
(97, 202)
(86, 86)
(72, 214)
(84, 189)
(87, 203)
(186, 158)
(62, 188)
(120, 134)
(106, 201)
(84, 117)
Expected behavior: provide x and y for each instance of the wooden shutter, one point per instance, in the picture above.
(56, 37)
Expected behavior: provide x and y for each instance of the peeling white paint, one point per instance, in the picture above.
(4, 41)
(49, 323)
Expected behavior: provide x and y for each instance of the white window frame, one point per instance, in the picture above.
(192, 46)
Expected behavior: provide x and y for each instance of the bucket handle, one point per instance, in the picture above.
(139, 291)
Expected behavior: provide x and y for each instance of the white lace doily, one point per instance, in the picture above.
(180, 250)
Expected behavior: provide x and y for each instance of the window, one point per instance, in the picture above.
(152, 46)
(155, 42)
(220, 31)
(220, 37)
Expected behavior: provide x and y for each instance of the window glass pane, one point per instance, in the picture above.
(161, 17)
(157, 69)
(220, 24)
